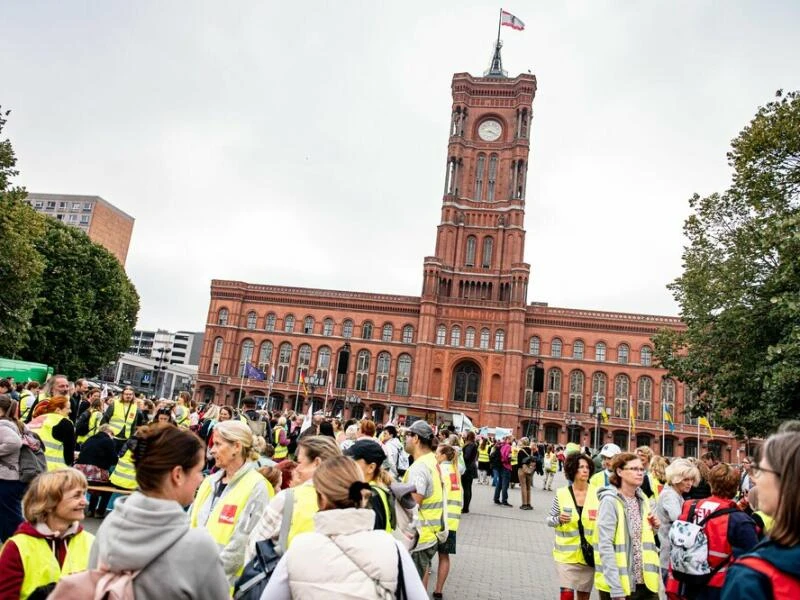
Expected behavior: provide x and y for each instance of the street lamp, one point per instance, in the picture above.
(160, 360)
(571, 423)
(313, 382)
(597, 408)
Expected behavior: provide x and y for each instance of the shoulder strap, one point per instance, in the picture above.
(286, 520)
(717, 513)
(575, 502)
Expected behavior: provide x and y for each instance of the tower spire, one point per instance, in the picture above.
(496, 67)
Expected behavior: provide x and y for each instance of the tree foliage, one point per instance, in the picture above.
(740, 289)
(64, 300)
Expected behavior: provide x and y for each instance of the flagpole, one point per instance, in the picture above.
(241, 386)
(499, 22)
(663, 426)
(698, 438)
(269, 389)
(327, 389)
(630, 423)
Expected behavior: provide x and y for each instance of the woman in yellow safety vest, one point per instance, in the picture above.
(574, 508)
(51, 541)
(369, 456)
(51, 422)
(121, 414)
(311, 451)
(280, 441)
(230, 501)
(93, 420)
(454, 496)
(625, 551)
(182, 411)
(484, 470)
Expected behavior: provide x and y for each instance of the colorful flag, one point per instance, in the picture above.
(604, 415)
(704, 422)
(251, 372)
(668, 418)
(509, 20)
(632, 407)
(303, 382)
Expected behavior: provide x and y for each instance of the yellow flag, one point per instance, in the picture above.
(604, 415)
(704, 422)
(632, 407)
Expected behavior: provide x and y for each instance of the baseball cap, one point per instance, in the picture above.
(368, 450)
(610, 451)
(421, 429)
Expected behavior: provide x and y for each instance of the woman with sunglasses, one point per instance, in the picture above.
(772, 570)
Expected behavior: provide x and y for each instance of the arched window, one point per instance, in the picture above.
(303, 361)
(251, 319)
(246, 355)
(403, 375)
(600, 352)
(269, 324)
(622, 389)
(323, 364)
(484, 339)
(441, 335)
(327, 327)
(643, 407)
(577, 350)
(623, 354)
(308, 325)
(689, 399)
(222, 316)
(479, 175)
(382, 374)
(288, 324)
(555, 348)
(599, 387)
(387, 333)
(265, 356)
(366, 330)
(535, 346)
(492, 177)
(466, 382)
(455, 336)
(488, 245)
(530, 395)
(646, 356)
(470, 256)
(215, 360)
(408, 334)
(576, 381)
(499, 339)
(284, 360)
(347, 328)
(469, 337)
(362, 370)
(554, 389)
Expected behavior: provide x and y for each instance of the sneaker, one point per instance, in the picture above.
(507, 504)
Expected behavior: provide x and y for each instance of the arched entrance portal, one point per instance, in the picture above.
(466, 382)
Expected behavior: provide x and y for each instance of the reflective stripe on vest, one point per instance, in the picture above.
(430, 510)
(483, 455)
(567, 547)
(305, 507)
(53, 449)
(94, 422)
(716, 531)
(39, 564)
(280, 451)
(124, 474)
(650, 561)
(455, 496)
(123, 418)
(383, 494)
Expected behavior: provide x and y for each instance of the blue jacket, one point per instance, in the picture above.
(743, 583)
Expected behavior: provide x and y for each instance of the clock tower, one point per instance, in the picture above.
(477, 274)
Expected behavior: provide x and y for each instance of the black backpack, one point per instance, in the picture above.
(495, 458)
(82, 424)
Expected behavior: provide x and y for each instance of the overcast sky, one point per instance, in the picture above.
(304, 143)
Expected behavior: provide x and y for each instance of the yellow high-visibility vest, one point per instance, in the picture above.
(53, 449)
(305, 507)
(599, 479)
(567, 547)
(39, 564)
(383, 494)
(650, 560)
(483, 455)
(124, 474)
(430, 511)
(183, 420)
(454, 496)
(280, 451)
(589, 515)
(94, 423)
(123, 418)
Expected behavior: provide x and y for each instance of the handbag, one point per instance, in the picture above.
(586, 548)
(257, 572)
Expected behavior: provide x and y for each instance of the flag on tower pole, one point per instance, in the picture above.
(704, 422)
(509, 20)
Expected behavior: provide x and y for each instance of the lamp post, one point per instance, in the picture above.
(597, 408)
(538, 373)
(160, 360)
(313, 382)
(571, 423)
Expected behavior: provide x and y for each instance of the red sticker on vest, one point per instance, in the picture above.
(227, 514)
(454, 481)
(592, 515)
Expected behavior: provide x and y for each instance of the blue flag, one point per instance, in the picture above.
(251, 372)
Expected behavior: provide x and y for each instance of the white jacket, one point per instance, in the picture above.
(344, 558)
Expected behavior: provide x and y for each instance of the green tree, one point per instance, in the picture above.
(21, 266)
(740, 289)
(88, 306)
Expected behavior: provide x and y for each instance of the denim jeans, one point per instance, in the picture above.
(504, 476)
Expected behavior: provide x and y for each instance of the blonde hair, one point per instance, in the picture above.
(646, 450)
(335, 478)
(236, 431)
(658, 466)
(212, 412)
(681, 469)
(259, 444)
(47, 490)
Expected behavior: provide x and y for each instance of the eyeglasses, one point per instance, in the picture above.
(759, 471)
(635, 469)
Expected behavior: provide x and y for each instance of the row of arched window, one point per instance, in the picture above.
(369, 375)
(486, 254)
(469, 340)
(309, 326)
(579, 351)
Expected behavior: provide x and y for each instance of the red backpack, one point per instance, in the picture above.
(783, 584)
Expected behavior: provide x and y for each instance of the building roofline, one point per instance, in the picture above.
(77, 198)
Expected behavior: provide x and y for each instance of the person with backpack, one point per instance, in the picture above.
(772, 569)
(11, 488)
(148, 532)
(681, 475)
(625, 556)
(50, 542)
(97, 457)
(123, 416)
(89, 420)
(728, 532)
(343, 556)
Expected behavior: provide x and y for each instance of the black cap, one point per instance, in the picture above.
(369, 450)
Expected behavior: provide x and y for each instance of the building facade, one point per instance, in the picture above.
(103, 222)
(178, 348)
(470, 343)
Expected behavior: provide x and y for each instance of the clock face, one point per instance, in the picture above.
(490, 130)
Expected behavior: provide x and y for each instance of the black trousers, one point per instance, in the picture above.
(466, 485)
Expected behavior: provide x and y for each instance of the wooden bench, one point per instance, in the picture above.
(99, 489)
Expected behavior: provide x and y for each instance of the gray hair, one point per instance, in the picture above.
(681, 469)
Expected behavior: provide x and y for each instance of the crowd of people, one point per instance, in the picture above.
(354, 509)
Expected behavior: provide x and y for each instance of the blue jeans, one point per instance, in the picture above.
(504, 477)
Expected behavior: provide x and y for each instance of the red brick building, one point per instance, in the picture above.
(470, 343)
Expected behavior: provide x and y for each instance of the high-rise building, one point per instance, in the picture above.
(103, 222)
(180, 348)
(471, 343)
